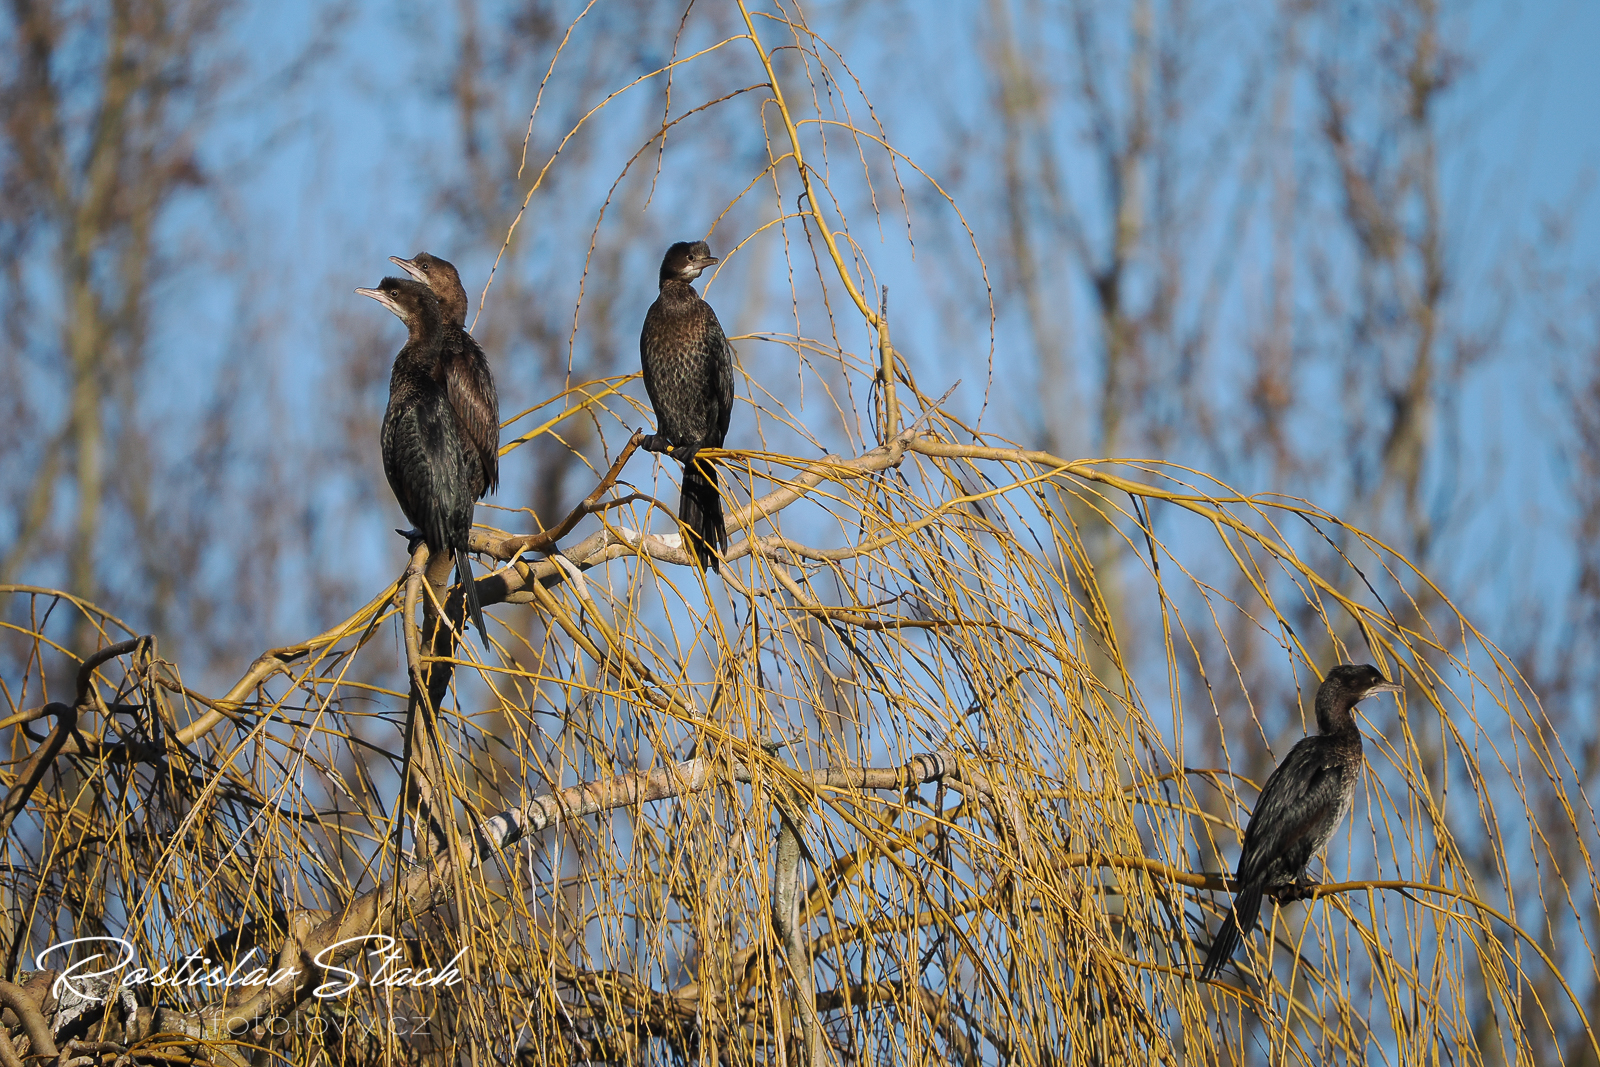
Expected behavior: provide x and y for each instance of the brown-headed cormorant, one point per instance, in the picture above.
(1303, 802)
(424, 455)
(688, 372)
(467, 378)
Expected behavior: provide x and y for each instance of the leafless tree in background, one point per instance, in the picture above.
(99, 104)
(134, 431)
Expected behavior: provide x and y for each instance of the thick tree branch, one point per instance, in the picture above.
(790, 930)
(41, 1042)
(511, 547)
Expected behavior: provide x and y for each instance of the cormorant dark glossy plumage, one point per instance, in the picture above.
(688, 372)
(1303, 802)
(424, 455)
(467, 378)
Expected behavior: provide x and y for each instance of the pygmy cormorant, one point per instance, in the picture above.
(424, 455)
(467, 378)
(1303, 802)
(688, 372)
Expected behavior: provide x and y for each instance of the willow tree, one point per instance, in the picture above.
(892, 786)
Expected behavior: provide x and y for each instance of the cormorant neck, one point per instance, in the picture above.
(456, 313)
(425, 325)
(675, 284)
(1335, 714)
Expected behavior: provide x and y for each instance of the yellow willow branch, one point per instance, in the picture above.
(875, 320)
(539, 181)
(800, 165)
(277, 659)
(613, 386)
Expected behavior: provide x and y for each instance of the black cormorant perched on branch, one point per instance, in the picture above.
(1303, 802)
(688, 372)
(467, 378)
(424, 455)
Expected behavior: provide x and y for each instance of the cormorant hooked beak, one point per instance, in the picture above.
(1383, 687)
(410, 268)
(386, 300)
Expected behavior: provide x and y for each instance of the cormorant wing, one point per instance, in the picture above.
(470, 386)
(415, 445)
(717, 341)
(1291, 820)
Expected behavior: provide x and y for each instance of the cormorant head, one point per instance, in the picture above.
(412, 302)
(1344, 687)
(441, 276)
(685, 260)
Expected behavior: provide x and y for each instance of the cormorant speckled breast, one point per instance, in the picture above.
(424, 455)
(467, 379)
(1303, 802)
(688, 372)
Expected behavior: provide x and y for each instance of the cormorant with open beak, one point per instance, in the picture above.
(1303, 802)
(424, 455)
(688, 372)
(467, 379)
